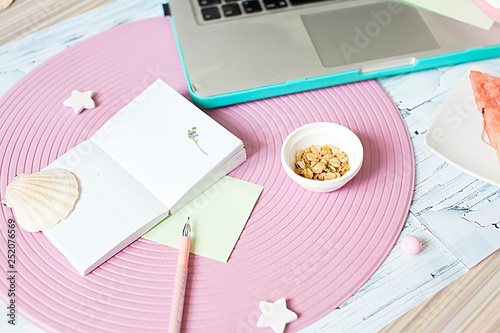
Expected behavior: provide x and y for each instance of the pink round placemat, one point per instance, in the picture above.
(316, 250)
(488, 9)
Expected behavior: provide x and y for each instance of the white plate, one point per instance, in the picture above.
(457, 134)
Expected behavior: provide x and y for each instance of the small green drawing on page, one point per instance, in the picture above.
(194, 136)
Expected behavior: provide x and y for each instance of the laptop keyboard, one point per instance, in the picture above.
(213, 10)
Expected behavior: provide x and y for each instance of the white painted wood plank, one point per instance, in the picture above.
(20, 57)
(401, 283)
(460, 210)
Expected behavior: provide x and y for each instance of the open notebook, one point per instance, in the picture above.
(153, 157)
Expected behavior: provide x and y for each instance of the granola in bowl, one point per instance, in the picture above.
(321, 162)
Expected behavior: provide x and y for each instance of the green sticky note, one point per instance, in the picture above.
(217, 218)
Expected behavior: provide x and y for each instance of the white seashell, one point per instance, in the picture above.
(40, 200)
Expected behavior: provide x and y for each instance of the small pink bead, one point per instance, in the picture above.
(410, 245)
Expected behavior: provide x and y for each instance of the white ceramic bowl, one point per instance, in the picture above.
(320, 134)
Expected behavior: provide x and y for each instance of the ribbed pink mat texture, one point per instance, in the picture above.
(314, 249)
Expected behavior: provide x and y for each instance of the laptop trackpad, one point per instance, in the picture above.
(369, 32)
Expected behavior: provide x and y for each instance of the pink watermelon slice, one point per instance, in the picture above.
(487, 95)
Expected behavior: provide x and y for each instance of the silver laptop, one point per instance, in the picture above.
(234, 51)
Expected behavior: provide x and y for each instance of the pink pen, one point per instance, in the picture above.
(180, 280)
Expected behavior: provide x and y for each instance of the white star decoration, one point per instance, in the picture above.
(80, 100)
(275, 315)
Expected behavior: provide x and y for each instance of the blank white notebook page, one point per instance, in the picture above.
(166, 143)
